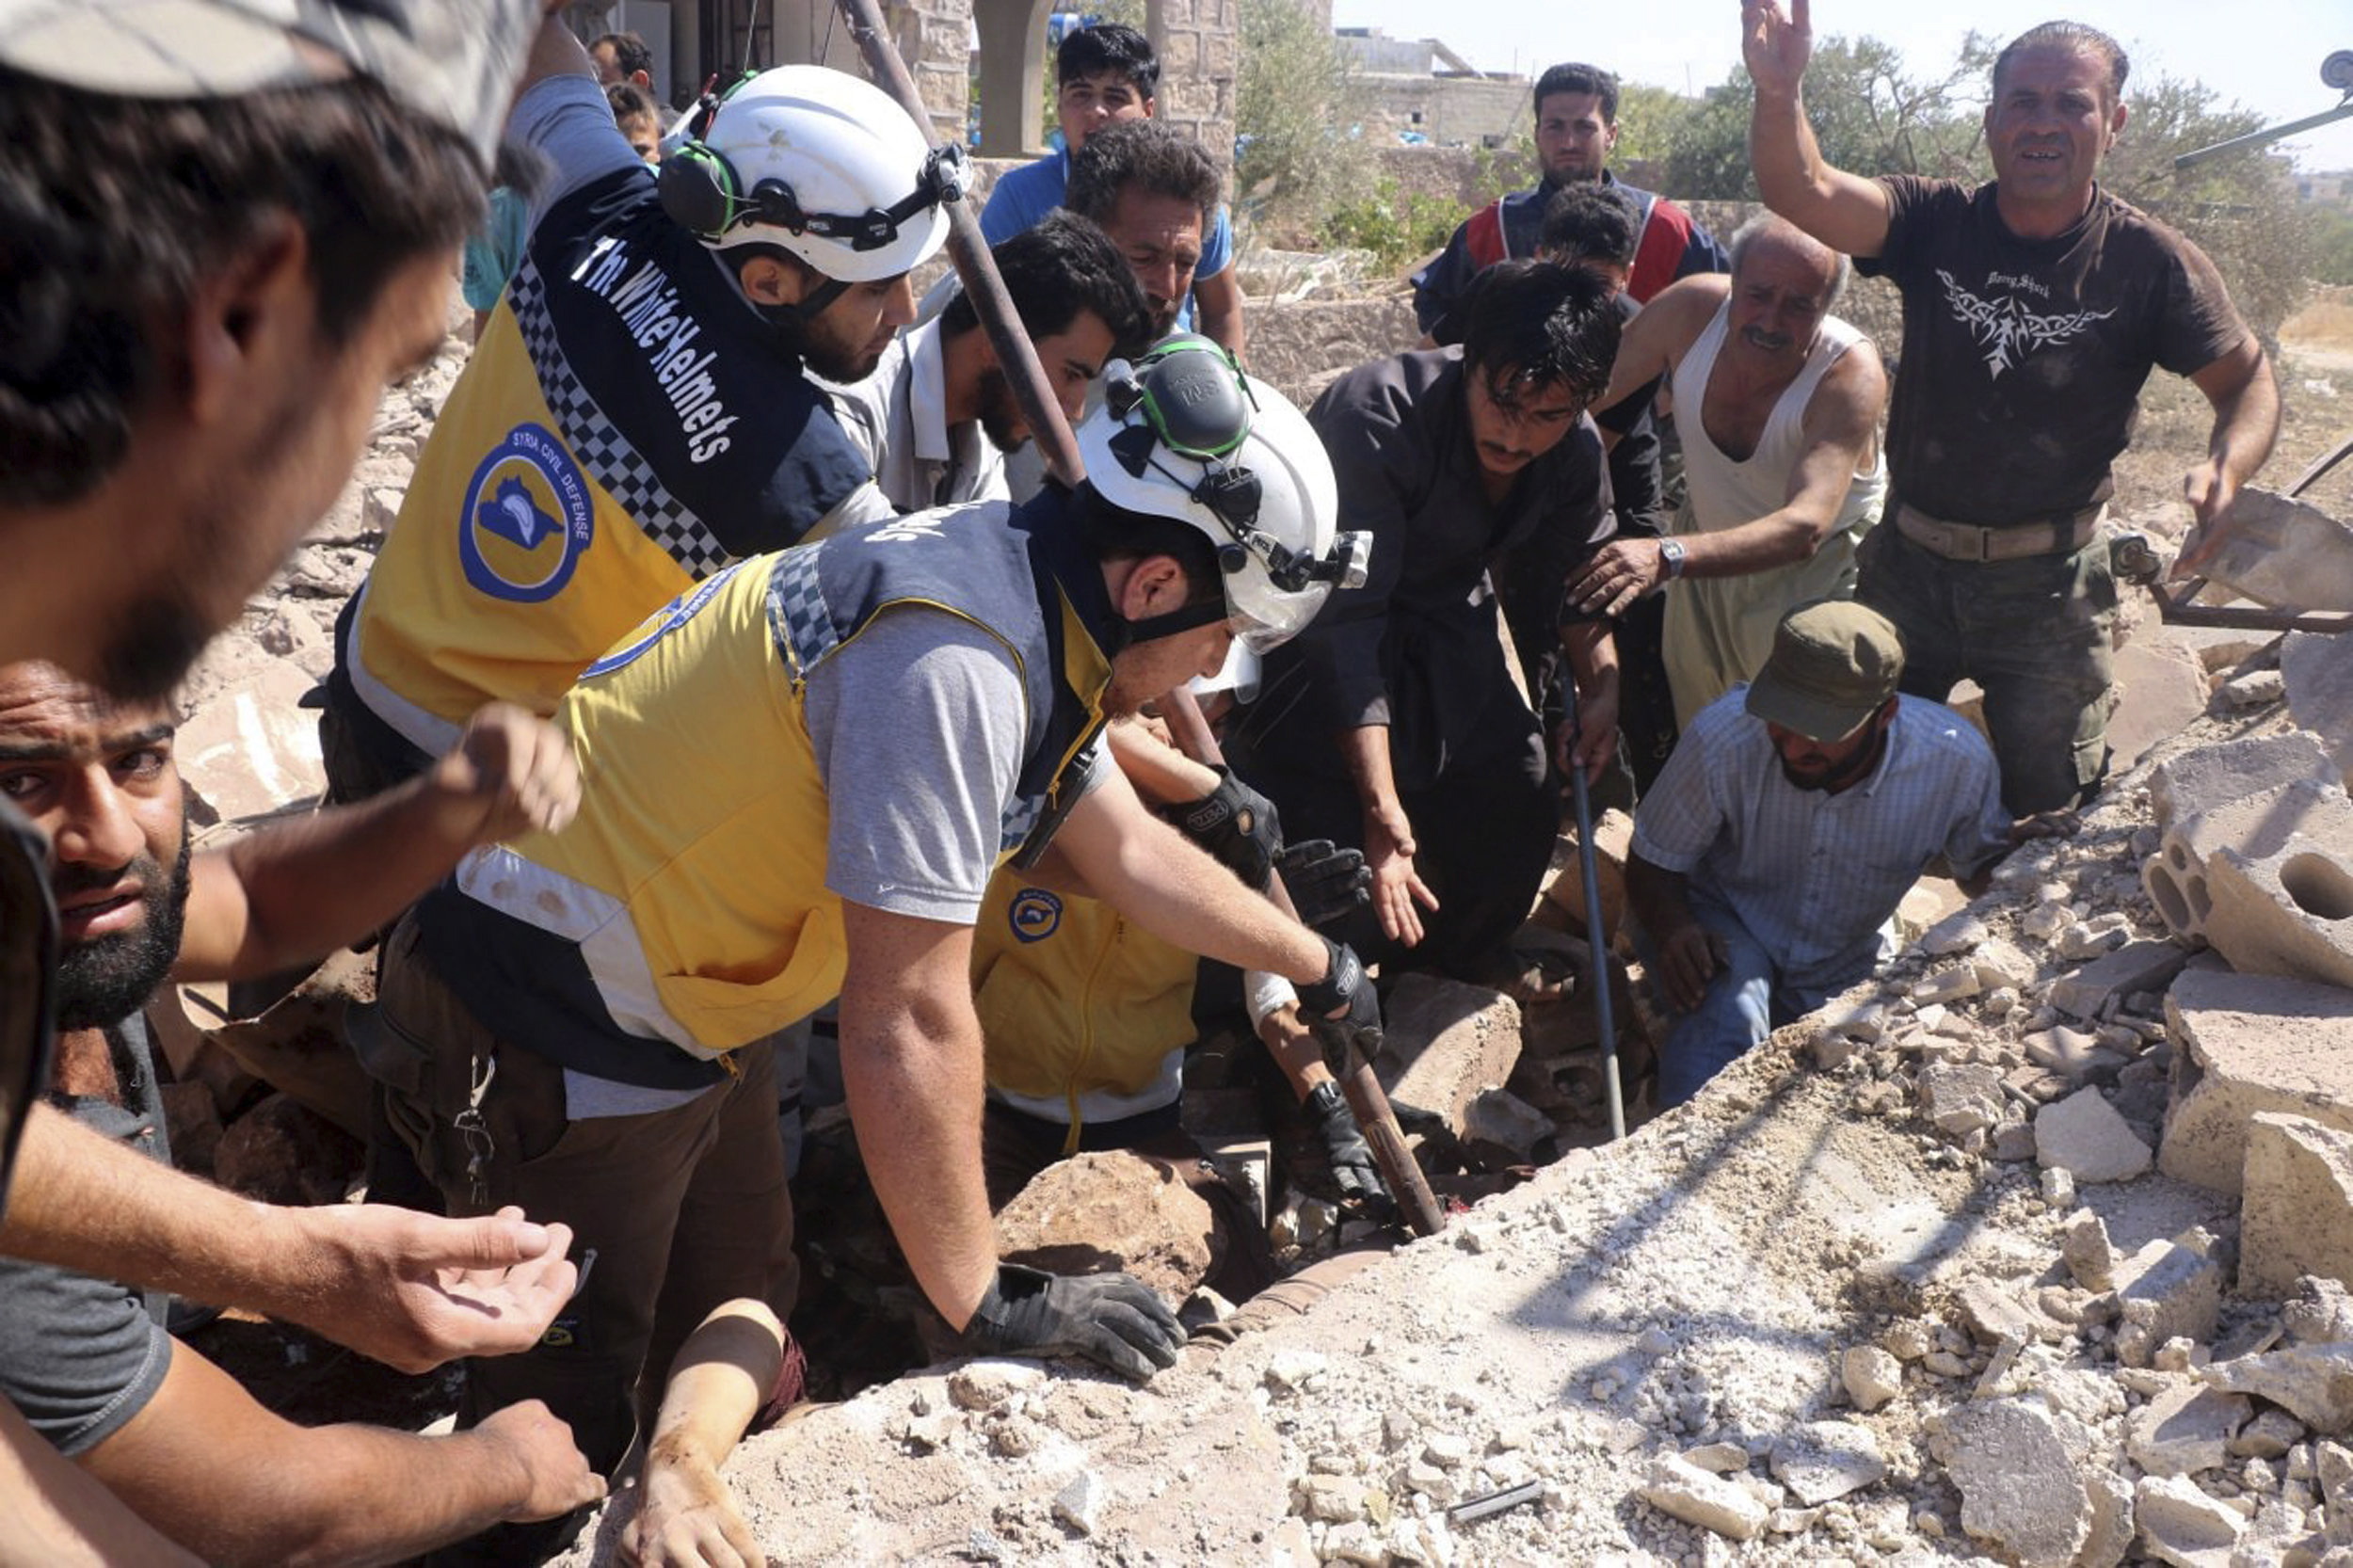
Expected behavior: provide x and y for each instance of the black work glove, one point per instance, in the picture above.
(1115, 1319)
(1344, 986)
(1235, 823)
(1352, 1168)
(1325, 881)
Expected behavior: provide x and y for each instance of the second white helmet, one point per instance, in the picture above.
(821, 164)
(1183, 433)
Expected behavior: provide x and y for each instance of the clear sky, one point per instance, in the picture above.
(2265, 54)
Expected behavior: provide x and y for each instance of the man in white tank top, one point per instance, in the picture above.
(1779, 404)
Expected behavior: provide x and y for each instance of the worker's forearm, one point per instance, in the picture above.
(1786, 159)
(1366, 750)
(912, 1071)
(1776, 539)
(60, 1516)
(356, 1495)
(2246, 424)
(1659, 898)
(1592, 654)
(1178, 892)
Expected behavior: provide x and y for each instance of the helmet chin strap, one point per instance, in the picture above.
(1173, 623)
(800, 312)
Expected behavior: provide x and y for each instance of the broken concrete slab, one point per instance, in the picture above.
(1561, 897)
(1871, 1375)
(2200, 780)
(2284, 553)
(2165, 1291)
(2270, 1435)
(1445, 1043)
(1499, 1117)
(2244, 1044)
(2083, 1136)
(1960, 1099)
(2312, 1383)
(2143, 966)
(2112, 1526)
(2015, 1462)
(1113, 1209)
(2320, 1311)
(2298, 1216)
(1822, 1460)
(2182, 1525)
(2319, 670)
(2185, 1428)
(1681, 1490)
(2159, 691)
(2286, 913)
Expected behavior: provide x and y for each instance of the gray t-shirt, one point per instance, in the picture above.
(80, 1356)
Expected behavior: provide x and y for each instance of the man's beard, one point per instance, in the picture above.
(104, 980)
(1852, 770)
(1001, 417)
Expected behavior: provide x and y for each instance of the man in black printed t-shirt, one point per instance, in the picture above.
(2034, 308)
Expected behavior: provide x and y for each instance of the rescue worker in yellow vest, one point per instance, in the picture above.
(638, 412)
(798, 781)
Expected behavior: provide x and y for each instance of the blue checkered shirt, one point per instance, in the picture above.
(1812, 875)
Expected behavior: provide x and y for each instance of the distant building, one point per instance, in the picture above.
(2332, 188)
(1424, 91)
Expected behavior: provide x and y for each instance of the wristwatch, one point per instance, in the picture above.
(1672, 554)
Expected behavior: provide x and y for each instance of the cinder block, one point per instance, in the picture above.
(2258, 826)
(2215, 776)
(2286, 913)
(2244, 1046)
(2298, 1216)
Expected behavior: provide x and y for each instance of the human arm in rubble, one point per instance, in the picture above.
(412, 1290)
(206, 1464)
(724, 1373)
(1689, 954)
(296, 889)
(1837, 433)
(2041, 825)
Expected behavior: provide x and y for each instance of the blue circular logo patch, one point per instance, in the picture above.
(526, 520)
(1033, 915)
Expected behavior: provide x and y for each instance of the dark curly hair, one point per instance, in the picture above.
(1589, 221)
(1108, 47)
(1149, 154)
(114, 211)
(1530, 325)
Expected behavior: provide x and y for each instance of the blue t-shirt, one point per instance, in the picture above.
(1023, 198)
(494, 250)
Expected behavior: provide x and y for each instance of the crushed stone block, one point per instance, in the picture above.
(2269, 1435)
(2244, 1044)
(2185, 1428)
(1822, 1460)
(1561, 897)
(2319, 671)
(1872, 1376)
(2314, 1383)
(1961, 1098)
(2143, 966)
(2182, 1525)
(2165, 1291)
(1948, 986)
(2110, 1536)
(1500, 1117)
(1113, 1210)
(1686, 1492)
(2016, 1462)
(2197, 781)
(2287, 913)
(1080, 1504)
(2000, 963)
(1445, 1043)
(2284, 553)
(2319, 1311)
(2296, 1219)
(1991, 1313)
(2084, 1247)
(2084, 1135)
(2260, 825)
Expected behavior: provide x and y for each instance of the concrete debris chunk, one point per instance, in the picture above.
(1993, 1314)
(2160, 691)
(1999, 963)
(2297, 1215)
(2319, 671)
(2143, 966)
(1445, 1043)
(1960, 1100)
(1948, 986)
(2319, 1311)
(2287, 913)
(2165, 1291)
(2017, 1466)
(1080, 1504)
(2111, 1533)
(1334, 1499)
(2244, 1044)
(2258, 826)
(989, 1384)
(1561, 900)
(2312, 1383)
(1113, 1210)
(1959, 932)
(2082, 1135)
(2269, 1435)
(2084, 1247)
(1500, 1117)
(2284, 553)
(1822, 1460)
(2200, 780)
(2180, 1525)
(2185, 1428)
(1718, 1459)
(1684, 1491)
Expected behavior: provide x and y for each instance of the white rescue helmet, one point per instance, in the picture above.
(1184, 433)
(821, 163)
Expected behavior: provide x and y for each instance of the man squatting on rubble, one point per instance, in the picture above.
(2034, 307)
(1794, 815)
(1394, 724)
(804, 774)
(1108, 74)
(88, 1360)
(195, 356)
(1779, 408)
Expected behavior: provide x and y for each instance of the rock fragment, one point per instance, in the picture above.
(1960, 1100)
(1872, 1376)
(2165, 1290)
(1822, 1460)
(2185, 1428)
(2180, 1525)
(1080, 1504)
(2016, 1464)
(2314, 1382)
(2083, 1136)
(2084, 1247)
(1684, 1491)
(2296, 1219)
